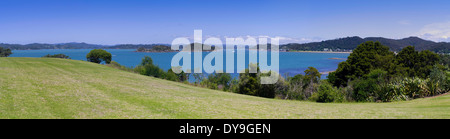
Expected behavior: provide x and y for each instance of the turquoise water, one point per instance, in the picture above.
(290, 62)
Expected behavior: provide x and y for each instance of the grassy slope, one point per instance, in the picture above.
(57, 88)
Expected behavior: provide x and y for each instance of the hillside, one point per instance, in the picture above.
(350, 43)
(61, 88)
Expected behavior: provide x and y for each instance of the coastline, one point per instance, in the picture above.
(318, 52)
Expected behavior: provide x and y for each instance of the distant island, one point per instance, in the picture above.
(158, 48)
(336, 45)
(165, 48)
(350, 43)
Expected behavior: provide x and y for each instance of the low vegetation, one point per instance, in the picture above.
(63, 56)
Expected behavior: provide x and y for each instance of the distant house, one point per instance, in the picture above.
(325, 49)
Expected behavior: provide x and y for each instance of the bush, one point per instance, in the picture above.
(63, 56)
(437, 83)
(326, 93)
(116, 65)
(270, 90)
(171, 76)
(147, 68)
(216, 80)
(295, 89)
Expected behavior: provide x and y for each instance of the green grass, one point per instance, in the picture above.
(60, 88)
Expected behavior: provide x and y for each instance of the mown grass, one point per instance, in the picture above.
(61, 88)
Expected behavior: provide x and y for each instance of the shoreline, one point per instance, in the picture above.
(318, 52)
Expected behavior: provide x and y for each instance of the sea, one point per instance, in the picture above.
(290, 63)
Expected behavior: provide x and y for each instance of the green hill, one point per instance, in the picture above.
(350, 43)
(62, 88)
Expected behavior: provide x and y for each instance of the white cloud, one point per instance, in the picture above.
(439, 32)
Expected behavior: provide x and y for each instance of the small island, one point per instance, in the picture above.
(157, 48)
(164, 48)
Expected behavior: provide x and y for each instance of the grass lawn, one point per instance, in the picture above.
(60, 88)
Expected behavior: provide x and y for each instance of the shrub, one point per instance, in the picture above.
(147, 68)
(437, 83)
(219, 79)
(171, 75)
(116, 65)
(325, 93)
(63, 56)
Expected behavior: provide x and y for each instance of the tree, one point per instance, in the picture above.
(249, 83)
(408, 58)
(360, 62)
(99, 55)
(312, 75)
(425, 63)
(146, 61)
(5, 52)
(416, 64)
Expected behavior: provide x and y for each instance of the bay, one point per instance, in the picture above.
(291, 63)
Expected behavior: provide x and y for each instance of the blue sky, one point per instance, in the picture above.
(161, 21)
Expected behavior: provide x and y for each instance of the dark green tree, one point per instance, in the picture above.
(5, 52)
(249, 83)
(425, 63)
(360, 62)
(408, 58)
(99, 55)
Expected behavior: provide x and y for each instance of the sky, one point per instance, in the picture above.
(110, 22)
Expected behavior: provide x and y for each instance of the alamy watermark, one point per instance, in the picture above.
(218, 56)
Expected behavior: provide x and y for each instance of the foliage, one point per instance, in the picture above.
(249, 83)
(438, 82)
(171, 76)
(99, 55)
(368, 87)
(5, 52)
(359, 63)
(270, 90)
(63, 56)
(147, 68)
(116, 65)
(327, 93)
(221, 81)
(444, 59)
(311, 75)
